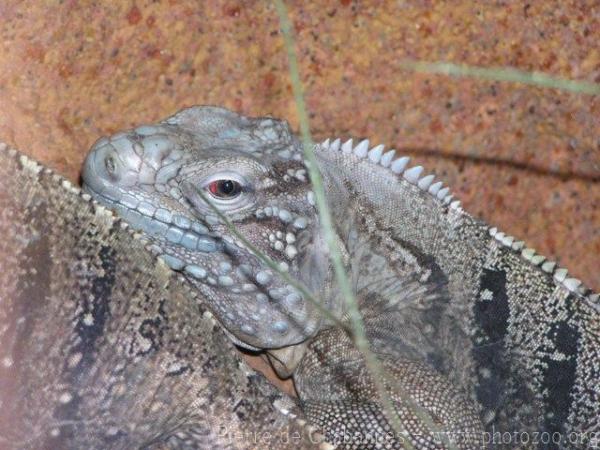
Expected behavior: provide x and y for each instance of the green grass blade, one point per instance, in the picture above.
(358, 330)
(505, 74)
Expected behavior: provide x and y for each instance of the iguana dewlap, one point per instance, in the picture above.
(466, 310)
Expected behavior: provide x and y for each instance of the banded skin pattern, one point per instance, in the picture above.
(481, 332)
(102, 347)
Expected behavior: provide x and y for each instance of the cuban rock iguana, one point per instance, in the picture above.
(101, 347)
(481, 331)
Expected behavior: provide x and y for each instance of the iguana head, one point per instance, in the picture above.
(252, 171)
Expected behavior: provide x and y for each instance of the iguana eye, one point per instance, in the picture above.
(224, 189)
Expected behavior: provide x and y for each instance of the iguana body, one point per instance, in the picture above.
(101, 347)
(507, 334)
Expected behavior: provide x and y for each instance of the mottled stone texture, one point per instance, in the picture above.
(523, 158)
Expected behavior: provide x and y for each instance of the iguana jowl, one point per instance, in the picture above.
(480, 329)
(101, 347)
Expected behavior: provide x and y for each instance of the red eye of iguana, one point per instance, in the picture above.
(224, 189)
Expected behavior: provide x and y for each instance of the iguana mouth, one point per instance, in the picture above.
(173, 228)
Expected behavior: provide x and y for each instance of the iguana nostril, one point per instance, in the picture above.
(109, 164)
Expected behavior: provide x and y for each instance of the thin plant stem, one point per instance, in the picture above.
(358, 330)
(506, 74)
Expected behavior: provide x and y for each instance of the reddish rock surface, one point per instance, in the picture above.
(523, 158)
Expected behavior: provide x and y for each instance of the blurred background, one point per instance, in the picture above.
(523, 158)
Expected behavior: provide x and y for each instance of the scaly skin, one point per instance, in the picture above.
(152, 181)
(101, 347)
(451, 306)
